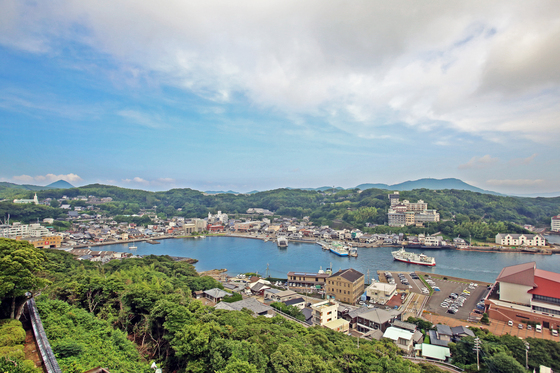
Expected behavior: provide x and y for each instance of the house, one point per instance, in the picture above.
(284, 295)
(461, 331)
(338, 325)
(258, 308)
(374, 319)
(296, 302)
(432, 352)
(215, 295)
(403, 338)
(346, 285)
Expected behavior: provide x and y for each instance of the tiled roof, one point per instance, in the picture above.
(348, 274)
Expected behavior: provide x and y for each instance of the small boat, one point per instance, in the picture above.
(132, 247)
(353, 251)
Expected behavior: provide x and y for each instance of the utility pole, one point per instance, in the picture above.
(477, 349)
(526, 355)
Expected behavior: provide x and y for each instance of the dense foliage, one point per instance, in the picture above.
(12, 357)
(149, 299)
(505, 353)
(289, 310)
(20, 265)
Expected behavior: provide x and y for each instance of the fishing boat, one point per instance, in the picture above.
(413, 258)
(132, 247)
(353, 251)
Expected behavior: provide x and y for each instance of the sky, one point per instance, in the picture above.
(257, 95)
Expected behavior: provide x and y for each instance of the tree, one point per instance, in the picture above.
(20, 264)
(503, 363)
(485, 319)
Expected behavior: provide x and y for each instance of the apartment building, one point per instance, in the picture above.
(307, 282)
(324, 312)
(555, 223)
(507, 239)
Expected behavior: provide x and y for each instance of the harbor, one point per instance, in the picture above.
(240, 255)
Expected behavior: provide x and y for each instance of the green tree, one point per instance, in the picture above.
(20, 264)
(504, 363)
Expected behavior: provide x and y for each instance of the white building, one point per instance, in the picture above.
(380, 291)
(35, 200)
(23, 230)
(324, 312)
(507, 239)
(407, 213)
(555, 223)
(219, 217)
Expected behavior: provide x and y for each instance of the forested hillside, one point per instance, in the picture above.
(462, 212)
(89, 309)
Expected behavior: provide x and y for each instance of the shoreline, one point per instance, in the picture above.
(549, 250)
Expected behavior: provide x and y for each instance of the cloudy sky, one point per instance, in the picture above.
(245, 95)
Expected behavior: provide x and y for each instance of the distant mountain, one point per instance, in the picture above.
(320, 189)
(433, 184)
(60, 184)
(221, 192)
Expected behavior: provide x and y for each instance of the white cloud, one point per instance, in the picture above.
(48, 178)
(486, 68)
(137, 180)
(522, 161)
(516, 182)
(479, 162)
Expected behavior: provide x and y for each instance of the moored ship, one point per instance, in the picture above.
(413, 258)
(282, 241)
(338, 249)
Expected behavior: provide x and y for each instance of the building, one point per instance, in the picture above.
(403, 338)
(375, 319)
(46, 242)
(324, 312)
(18, 230)
(307, 282)
(507, 239)
(524, 293)
(380, 292)
(555, 223)
(219, 217)
(406, 213)
(215, 295)
(338, 325)
(346, 285)
(283, 296)
(35, 200)
(251, 304)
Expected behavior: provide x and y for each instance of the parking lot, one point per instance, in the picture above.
(449, 286)
(412, 286)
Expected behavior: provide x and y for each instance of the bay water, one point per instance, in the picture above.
(242, 255)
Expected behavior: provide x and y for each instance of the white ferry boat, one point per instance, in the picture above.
(338, 249)
(413, 258)
(282, 241)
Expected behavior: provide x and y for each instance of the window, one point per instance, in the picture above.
(542, 298)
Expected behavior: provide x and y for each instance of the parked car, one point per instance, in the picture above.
(554, 333)
(510, 323)
(519, 326)
(538, 328)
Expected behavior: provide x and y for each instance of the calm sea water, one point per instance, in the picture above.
(241, 255)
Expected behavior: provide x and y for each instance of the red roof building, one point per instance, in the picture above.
(524, 293)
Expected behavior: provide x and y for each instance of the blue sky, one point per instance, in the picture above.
(260, 95)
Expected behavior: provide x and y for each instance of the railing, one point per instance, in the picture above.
(49, 360)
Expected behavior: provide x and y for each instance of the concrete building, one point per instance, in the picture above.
(307, 282)
(375, 319)
(324, 312)
(346, 285)
(46, 242)
(405, 213)
(555, 223)
(18, 230)
(507, 239)
(524, 293)
(381, 292)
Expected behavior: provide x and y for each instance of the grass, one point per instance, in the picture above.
(427, 285)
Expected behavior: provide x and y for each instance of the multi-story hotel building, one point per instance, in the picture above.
(346, 285)
(555, 223)
(520, 239)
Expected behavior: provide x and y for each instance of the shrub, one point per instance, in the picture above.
(11, 333)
